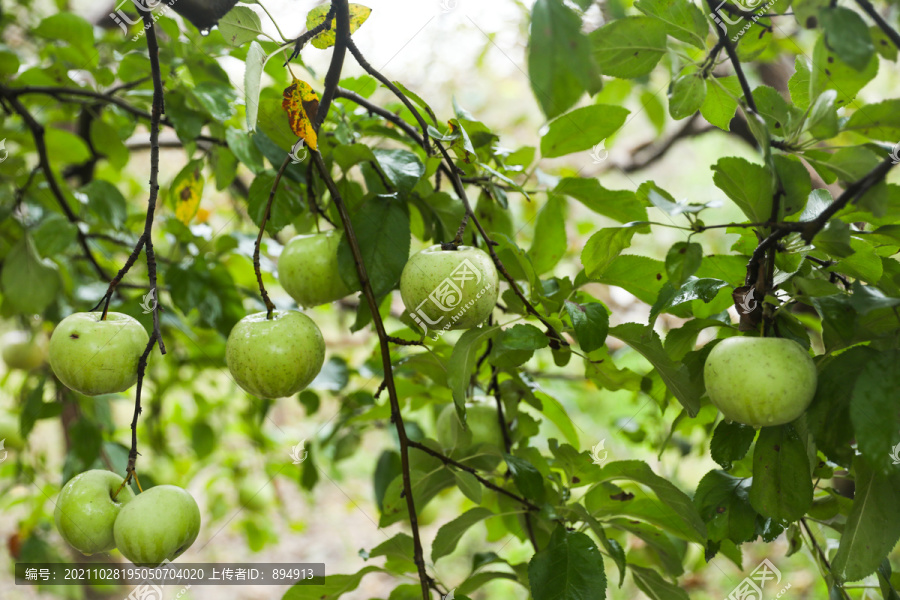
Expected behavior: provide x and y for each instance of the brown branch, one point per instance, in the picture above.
(556, 339)
(37, 133)
(879, 20)
(342, 26)
(262, 228)
(732, 55)
(304, 38)
(485, 482)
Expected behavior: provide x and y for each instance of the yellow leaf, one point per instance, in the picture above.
(187, 190)
(301, 104)
(326, 39)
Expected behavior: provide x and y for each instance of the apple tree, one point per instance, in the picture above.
(475, 281)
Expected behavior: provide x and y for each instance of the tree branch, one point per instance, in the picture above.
(556, 339)
(732, 55)
(342, 25)
(879, 20)
(37, 133)
(262, 228)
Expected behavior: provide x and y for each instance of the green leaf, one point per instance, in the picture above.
(874, 411)
(873, 525)
(582, 129)
(30, 283)
(550, 242)
(619, 205)
(468, 485)
(560, 66)
(64, 147)
(721, 101)
(106, 202)
(449, 534)
(830, 72)
(382, 231)
(527, 478)
(218, 99)
(69, 27)
(795, 182)
(425, 487)
(651, 583)
(675, 375)
(683, 20)
(54, 235)
(682, 261)
(834, 239)
(730, 442)
(723, 502)
(687, 521)
(879, 121)
(686, 95)
(603, 247)
(332, 586)
(402, 168)
(326, 39)
(823, 121)
(240, 25)
(747, 184)
(570, 567)
(516, 345)
(629, 47)
(462, 362)
(286, 206)
(591, 324)
(847, 35)
(253, 69)
(556, 413)
(782, 488)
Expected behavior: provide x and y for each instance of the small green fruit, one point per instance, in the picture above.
(86, 511)
(760, 382)
(449, 289)
(10, 434)
(277, 357)
(308, 269)
(24, 351)
(96, 357)
(158, 525)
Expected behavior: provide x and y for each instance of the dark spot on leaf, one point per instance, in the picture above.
(622, 496)
(882, 42)
(682, 250)
(576, 480)
(830, 59)
(659, 276)
(777, 125)
(720, 510)
(811, 22)
(827, 72)
(777, 448)
(185, 194)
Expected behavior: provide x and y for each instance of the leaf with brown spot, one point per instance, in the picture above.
(326, 39)
(301, 104)
(187, 190)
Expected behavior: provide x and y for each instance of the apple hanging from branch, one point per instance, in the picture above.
(760, 382)
(86, 511)
(308, 269)
(158, 525)
(96, 356)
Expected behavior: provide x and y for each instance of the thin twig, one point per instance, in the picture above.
(262, 228)
(821, 554)
(738, 70)
(342, 26)
(879, 20)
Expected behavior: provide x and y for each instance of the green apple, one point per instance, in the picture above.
(94, 356)
(22, 350)
(482, 427)
(760, 381)
(308, 269)
(277, 357)
(159, 524)
(449, 289)
(86, 511)
(10, 433)
(256, 493)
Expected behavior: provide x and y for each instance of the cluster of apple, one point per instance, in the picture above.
(95, 513)
(279, 356)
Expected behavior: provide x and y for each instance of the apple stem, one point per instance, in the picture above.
(270, 308)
